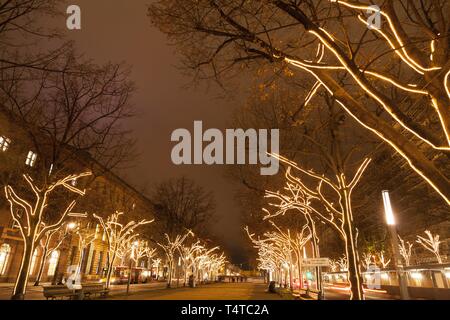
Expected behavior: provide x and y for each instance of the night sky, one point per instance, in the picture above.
(119, 30)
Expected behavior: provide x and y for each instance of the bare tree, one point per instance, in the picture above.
(431, 244)
(180, 204)
(405, 250)
(117, 235)
(49, 243)
(380, 77)
(335, 210)
(33, 220)
(70, 115)
(170, 248)
(383, 260)
(21, 30)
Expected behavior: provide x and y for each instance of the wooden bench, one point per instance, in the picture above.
(92, 289)
(59, 291)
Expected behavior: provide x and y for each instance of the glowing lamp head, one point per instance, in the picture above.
(416, 275)
(72, 225)
(390, 220)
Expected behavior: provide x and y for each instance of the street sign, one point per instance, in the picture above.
(316, 262)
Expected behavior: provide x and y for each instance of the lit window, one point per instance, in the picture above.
(33, 261)
(4, 143)
(52, 263)
(5, 249)
(31, 158)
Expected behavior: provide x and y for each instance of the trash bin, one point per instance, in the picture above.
(272, 287)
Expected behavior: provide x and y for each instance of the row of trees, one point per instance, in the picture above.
(195, 259)
(71, 113)
(280, 253)
(337, 88)
(430, 243)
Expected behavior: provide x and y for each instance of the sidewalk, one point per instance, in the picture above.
(36, 293)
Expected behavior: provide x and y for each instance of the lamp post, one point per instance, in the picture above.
(398, 263)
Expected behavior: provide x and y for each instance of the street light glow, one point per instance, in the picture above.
(390, 220)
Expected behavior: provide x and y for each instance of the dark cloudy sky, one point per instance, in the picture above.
(119, 30)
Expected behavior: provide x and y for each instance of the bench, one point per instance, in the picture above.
(59, 291)
(90, 289)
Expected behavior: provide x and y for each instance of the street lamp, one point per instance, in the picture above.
(398, 263)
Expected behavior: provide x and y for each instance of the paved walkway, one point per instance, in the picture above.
(35, 293)
(217, 291)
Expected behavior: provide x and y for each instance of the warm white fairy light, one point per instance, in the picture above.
(321, 72)
(86, 236)
(281, 252)
(367, 259)
(117, 234)
(343, 264)
(297, 195)
(431, 244)
(32, 224)
(170, 247)
(405, 250)
(383, 260)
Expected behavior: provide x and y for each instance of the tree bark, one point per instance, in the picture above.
(22, 278)
(41, 267)
(351, 250)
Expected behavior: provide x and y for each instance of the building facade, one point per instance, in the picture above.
(106, 193)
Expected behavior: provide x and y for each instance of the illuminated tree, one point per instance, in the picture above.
(149, 254)
(431, 244)
(334, 265)
(343, 264)
(405, 250)
(86, 236)
(319, 199)
(141, 250)
(384, 262)
(170, 248)
(367, 259)
(279, 249)
(125, 249)
(187, 257)
(155, 264)
(117, 235)
(396, 70)
(201, 260)
(49, 243)
(31, 219)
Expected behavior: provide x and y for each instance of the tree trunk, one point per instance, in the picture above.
(351, 250)
(20, 286)
(169, 278)
(354, 274)
(41, 267)
(402, 145)
(109, 272)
